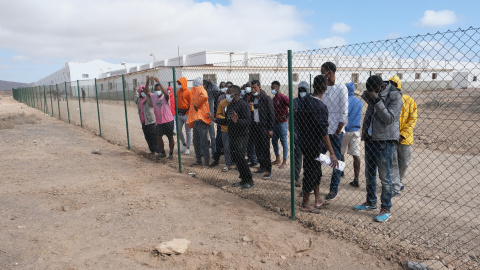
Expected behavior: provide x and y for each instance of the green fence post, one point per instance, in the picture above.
(125, 105)
(79, 104)
(292, 142)
(45, 100)
(98, 109)
(66, 98)
(51, 101)
(34, 97)
(176, 120)
(58, 101)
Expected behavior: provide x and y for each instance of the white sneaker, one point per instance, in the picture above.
(187, 152)
(183, 148)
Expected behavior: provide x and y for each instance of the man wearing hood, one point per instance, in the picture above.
(199, 120)
(351, 139)
(213, 93)
(403, 151)
(184, 98)
(380, 132)
(303, 90)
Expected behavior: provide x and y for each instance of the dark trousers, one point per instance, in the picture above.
(336, 174)
(312, 170)
(150, 133)
(298, 162)
(251, 152)
(218, 144)
(238, 147)
(262, 145)
(200, 141)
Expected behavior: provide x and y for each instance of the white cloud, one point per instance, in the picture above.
(130, 30)
(393, 36)
(341, 28)
(331, 42)
(440, 18)
(18, 58)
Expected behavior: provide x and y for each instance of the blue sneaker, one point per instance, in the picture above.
(383, 216)
(364, 206)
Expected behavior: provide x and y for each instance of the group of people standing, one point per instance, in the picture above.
(328, 118)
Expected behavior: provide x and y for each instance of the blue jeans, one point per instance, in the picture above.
(280, 132)
(336, 174)
(379, 155)
(226, 148)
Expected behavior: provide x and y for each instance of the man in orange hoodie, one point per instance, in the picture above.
(199, 120)
(184, 98)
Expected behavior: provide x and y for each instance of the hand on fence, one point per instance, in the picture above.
(270, 134)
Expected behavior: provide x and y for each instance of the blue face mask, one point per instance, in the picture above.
(274, 92)
(224, 90)
(229, 98)
(248, 89)
(143, 94)
(243, 92)
(255, 94)
(303, 94)
(159, 93)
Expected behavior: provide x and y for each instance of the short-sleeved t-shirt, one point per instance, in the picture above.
(161, 107)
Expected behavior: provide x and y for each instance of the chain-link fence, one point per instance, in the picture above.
(409, 143)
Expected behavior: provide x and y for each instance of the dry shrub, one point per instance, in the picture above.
(11, 120)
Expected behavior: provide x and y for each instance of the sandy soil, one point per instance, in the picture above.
(65, 208)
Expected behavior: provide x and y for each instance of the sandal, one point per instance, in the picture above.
(313, 210)
(323, 205)
(225, 169)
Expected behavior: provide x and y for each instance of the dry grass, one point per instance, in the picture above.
(11, 120)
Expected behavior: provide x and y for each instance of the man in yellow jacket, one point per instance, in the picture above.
(200, 122)
(401, 157)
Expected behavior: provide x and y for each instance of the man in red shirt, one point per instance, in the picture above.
(280, 129)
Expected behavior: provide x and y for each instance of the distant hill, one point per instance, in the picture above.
(6, 85)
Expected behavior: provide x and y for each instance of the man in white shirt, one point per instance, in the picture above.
(336, 99)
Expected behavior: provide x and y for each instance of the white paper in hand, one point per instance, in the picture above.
(325, 160)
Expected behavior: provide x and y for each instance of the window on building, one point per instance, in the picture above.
(400, 76)
(84, 76)
(379, 74)
(135, 82)
(474, 78)
(110, 86)
(101, 87)
(434, 76)
(418, 76)
(253, 76)
(295, 77)
(355, 77)
(210, 77)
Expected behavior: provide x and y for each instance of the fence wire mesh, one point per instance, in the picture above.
(427, 179)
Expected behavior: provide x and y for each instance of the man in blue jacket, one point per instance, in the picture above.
(351, 139)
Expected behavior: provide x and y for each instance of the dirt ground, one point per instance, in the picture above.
(63, 207)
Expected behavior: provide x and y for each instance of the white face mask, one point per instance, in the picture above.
(159, 93)
(274, 92)
(248, 89)
(224, 90)
(143, 94)
(169, 91)
(179, 86)
(255, 94)
(229, 98)
(303, 94)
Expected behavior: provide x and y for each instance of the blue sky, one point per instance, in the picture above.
(38, 37)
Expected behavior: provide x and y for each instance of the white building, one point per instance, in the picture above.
(241, 67)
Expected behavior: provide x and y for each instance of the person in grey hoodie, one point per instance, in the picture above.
(303, 90)
(380, 132)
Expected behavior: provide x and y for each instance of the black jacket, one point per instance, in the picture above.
(241, 128)
(266, 111)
